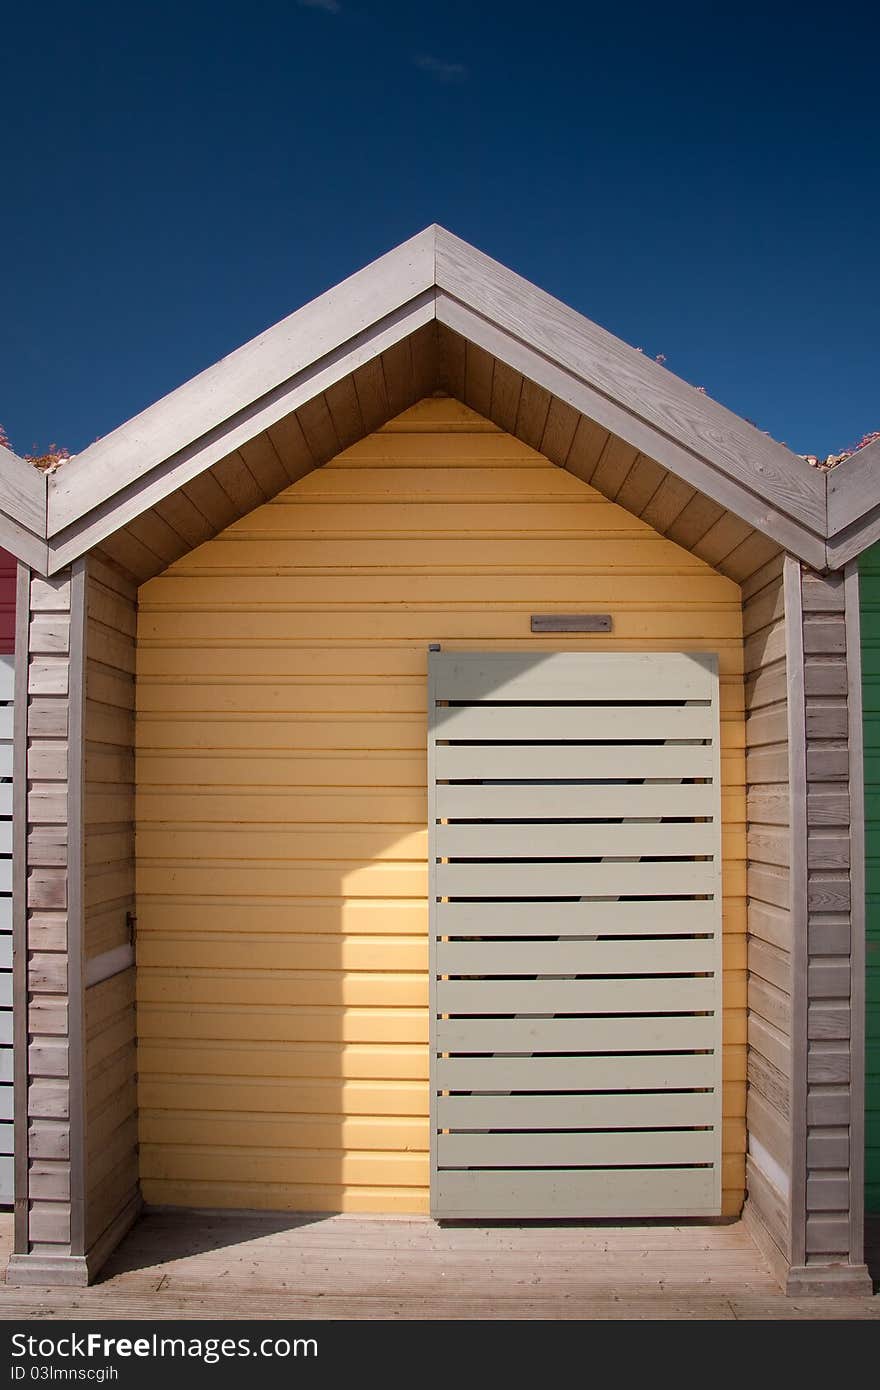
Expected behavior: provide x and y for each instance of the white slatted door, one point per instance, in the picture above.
(574, 813)
(6, 1113)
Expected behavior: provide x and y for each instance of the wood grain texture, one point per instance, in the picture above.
(870, 663)
(75, 863)
(849, 977)
(833, 1104)
(109, 901)
(8, 886)
(48, 1048)
(581, 1192)
(642, 387)
(770, 849)
(607, 1007)
(852, 498)
(369, 347)
(27, 547)
(24, 491)
(207, 1264)
(644, 436)
(322, 935)
(20, 1038)
(258, 368)
(800, 899)
(114, 519)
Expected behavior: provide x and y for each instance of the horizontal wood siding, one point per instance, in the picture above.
(832, 1129)
(8, 573)
(7, 1107)
(579, 1009)
(869, 583)
(8, 569)
(281, 797)
(262, 464)
(591, 442)
(109, 900)
(828, 934)
(769, 910)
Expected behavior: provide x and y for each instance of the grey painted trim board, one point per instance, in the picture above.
(738, 496)
(124, 503)
(30, 549)
(643, 388)
(848, 545)
(108, 1240)
(108, 964)
(797, 752)
(122, 475)
(853, 490)
(23, 489)
(829, 1281)
(857, 915)
(759, 1233)
(19, 907)
(801, 506)
(75, 904)
(249, 374)
(48, 1271)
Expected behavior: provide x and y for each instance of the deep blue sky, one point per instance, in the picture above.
(700, 179)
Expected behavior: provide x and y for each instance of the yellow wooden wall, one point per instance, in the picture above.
(282, 948)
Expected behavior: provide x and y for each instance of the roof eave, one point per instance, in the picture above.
(23, 512)
(436, 275)
(234, 385)
(853, 505)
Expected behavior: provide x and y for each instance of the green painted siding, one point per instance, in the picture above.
(869, 567)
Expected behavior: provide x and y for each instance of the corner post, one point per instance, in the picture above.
(51, 1182)
(828, 970)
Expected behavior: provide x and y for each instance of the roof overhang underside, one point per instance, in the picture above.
(435, 315)
(187, 507)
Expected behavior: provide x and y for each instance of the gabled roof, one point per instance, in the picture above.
(22, 510)
(854, 504)
(436, 313)
(435, 276)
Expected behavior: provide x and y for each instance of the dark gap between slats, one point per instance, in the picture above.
(631, 1131)
(596, 858)
(573, 743)
(572, 704)
(609, 898)
(577, 1017)
(448, 938)
(567, 1167)
(574, 820)
(623, 1052)
(445, 1094)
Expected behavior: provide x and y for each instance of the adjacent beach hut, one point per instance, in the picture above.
(869, 578)
(854, 497)
(7, 651)
(436, 722)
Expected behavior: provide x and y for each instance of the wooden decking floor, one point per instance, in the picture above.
(233, 1265)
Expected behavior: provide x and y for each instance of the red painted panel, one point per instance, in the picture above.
(7, 603)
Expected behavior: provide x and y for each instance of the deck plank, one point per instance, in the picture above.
(220, 1265)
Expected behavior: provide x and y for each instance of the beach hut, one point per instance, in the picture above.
(869, 579)
(435, 725)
